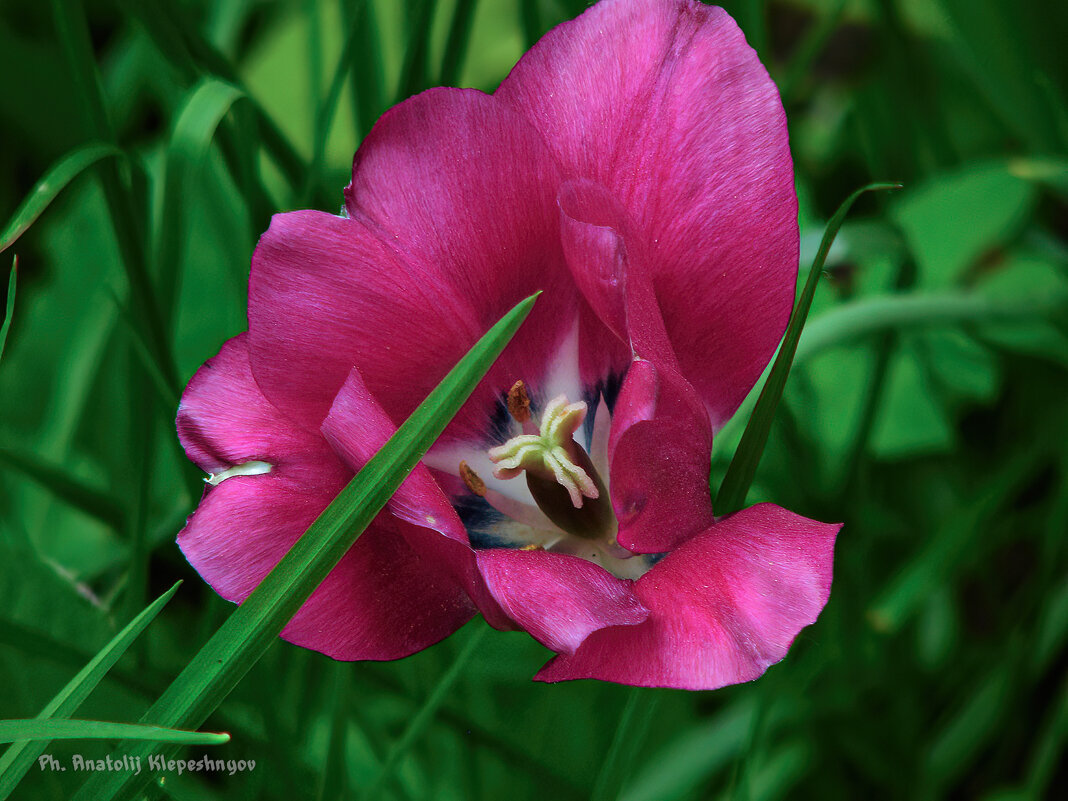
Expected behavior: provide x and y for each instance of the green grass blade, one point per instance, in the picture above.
(743, 466)
(530, 21)
(809, 50)
(124, 203)
(368, 88)
(9, 306)
(182, 43)
(452, 61)
(423, 717)
(851, 321)
(169, 393)
(245, 636)
(48, 188)
(20, 757)
(627, 744)
(94, 502)
(946, 549)
(324, 113)
(207, 104)
(18, 638)
(414, 76)
(33, 729)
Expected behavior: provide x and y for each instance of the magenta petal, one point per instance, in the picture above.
(664, 104)
(382, 601)
(452, 221)
(723, 607)
(325, 294)
(357, 426)
(558, 599)
(661, 439)
(224, 420)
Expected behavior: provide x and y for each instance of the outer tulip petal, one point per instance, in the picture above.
(382, 601)
(325, 294)
(723, 607)
(224, 420)
(357, 427)
(664, 104)
(557, 598)
(452, 220)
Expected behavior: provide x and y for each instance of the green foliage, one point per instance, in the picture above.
(925, 409)
(12, 731)
(21, 755)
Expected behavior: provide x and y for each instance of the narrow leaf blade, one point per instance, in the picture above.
(206, 105)
(72, 491)
(20, 757)
(45, 730)
(253, 627)
(9, 310)
(743, 466)
(48, 188)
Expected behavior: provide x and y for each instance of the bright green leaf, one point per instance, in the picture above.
(33, 729)
(743, 466)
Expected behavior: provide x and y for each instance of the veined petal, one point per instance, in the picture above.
(384, 600)
(451, 221)
(225, 421)
(663, 103)
(557, 598)
(356, 427)
(660, 441)
(723, 607)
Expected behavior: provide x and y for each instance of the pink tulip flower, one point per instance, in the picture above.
(635, 167)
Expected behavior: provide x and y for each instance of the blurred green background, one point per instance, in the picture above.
(928, 407)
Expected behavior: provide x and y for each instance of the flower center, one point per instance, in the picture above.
(560, 475)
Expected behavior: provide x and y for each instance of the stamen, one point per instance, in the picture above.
(472, 480)
(550, 452)
(519, 402)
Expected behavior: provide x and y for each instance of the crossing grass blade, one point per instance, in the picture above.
(48, 188)
(9, 306)
(628, 741)
(45, 730)
(324, 114)
(125, 199)
(93, 501)
(251, 628)
(20, 757)
(849, 322)
(367, 85)
(456, 45)
(421, 720)
(207, 104)
(414, 77)
(743, 466)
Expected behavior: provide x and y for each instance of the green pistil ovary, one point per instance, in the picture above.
(549, 453)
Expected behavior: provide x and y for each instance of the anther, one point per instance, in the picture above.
(471, 479)
(519, 402)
